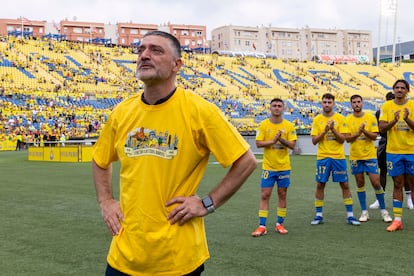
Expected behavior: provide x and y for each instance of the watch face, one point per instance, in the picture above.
(207, 202)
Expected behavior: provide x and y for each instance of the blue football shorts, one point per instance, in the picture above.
(326, 166)
(269, 178)
(398, 164)
(364, 166)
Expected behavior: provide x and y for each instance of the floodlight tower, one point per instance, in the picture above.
(388, 8)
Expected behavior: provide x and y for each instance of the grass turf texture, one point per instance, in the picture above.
(51, 225)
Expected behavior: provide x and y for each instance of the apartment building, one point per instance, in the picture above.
(291, 43)
(191, 37)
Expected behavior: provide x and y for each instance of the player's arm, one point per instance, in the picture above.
(235, 177)
(371, 135)
(287, 143)
(340, 137)
(192, 206)
(319, 137)
(110, 208)
(263, 144)
(384, 126)
(351, 137)
(409, 122)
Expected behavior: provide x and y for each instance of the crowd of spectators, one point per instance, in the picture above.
(67, 101)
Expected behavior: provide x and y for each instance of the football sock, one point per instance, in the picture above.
(362, 197)
(263, 217)
(281, 214)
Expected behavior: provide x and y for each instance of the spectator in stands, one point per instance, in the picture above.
(363, 127)
(329, 131)
(276, 135)
(158, 224)
(397, 119)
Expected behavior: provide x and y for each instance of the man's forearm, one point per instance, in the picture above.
(102, 179)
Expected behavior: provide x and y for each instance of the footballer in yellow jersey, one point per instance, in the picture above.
(397, 118)
(329, 132)
(276, 135)
(363, 127)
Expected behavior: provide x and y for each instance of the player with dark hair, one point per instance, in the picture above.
(397, 119)
(163, 138)
(329, 131)
(363, 127)
(276, 135)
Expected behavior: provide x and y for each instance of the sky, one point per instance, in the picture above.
(326, 14)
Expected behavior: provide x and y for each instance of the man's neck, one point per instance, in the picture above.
(400, 101)
(154, 93)
(328, 114)
(358, 114)
(276, 119)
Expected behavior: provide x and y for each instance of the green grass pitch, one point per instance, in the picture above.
(51, 225)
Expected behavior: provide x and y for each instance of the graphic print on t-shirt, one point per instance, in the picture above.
(144, 141)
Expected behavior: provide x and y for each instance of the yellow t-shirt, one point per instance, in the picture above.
(164, 150)
(362, 148)
(400, 136)
(276, 157)
(328, 146)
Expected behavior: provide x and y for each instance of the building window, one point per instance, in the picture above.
(79, 30)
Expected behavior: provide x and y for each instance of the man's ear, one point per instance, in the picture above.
(178, 64)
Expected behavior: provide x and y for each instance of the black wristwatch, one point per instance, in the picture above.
(208, 204)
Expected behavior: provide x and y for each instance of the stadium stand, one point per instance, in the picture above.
(52, 89)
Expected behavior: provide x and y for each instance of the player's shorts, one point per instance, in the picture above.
(326, 166)
(398, 164)
(364, 166)
(269, 178)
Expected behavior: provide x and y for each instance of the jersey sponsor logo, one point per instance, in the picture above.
(339, 172)
(402, 126)
(283, 176)
(330, 136)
